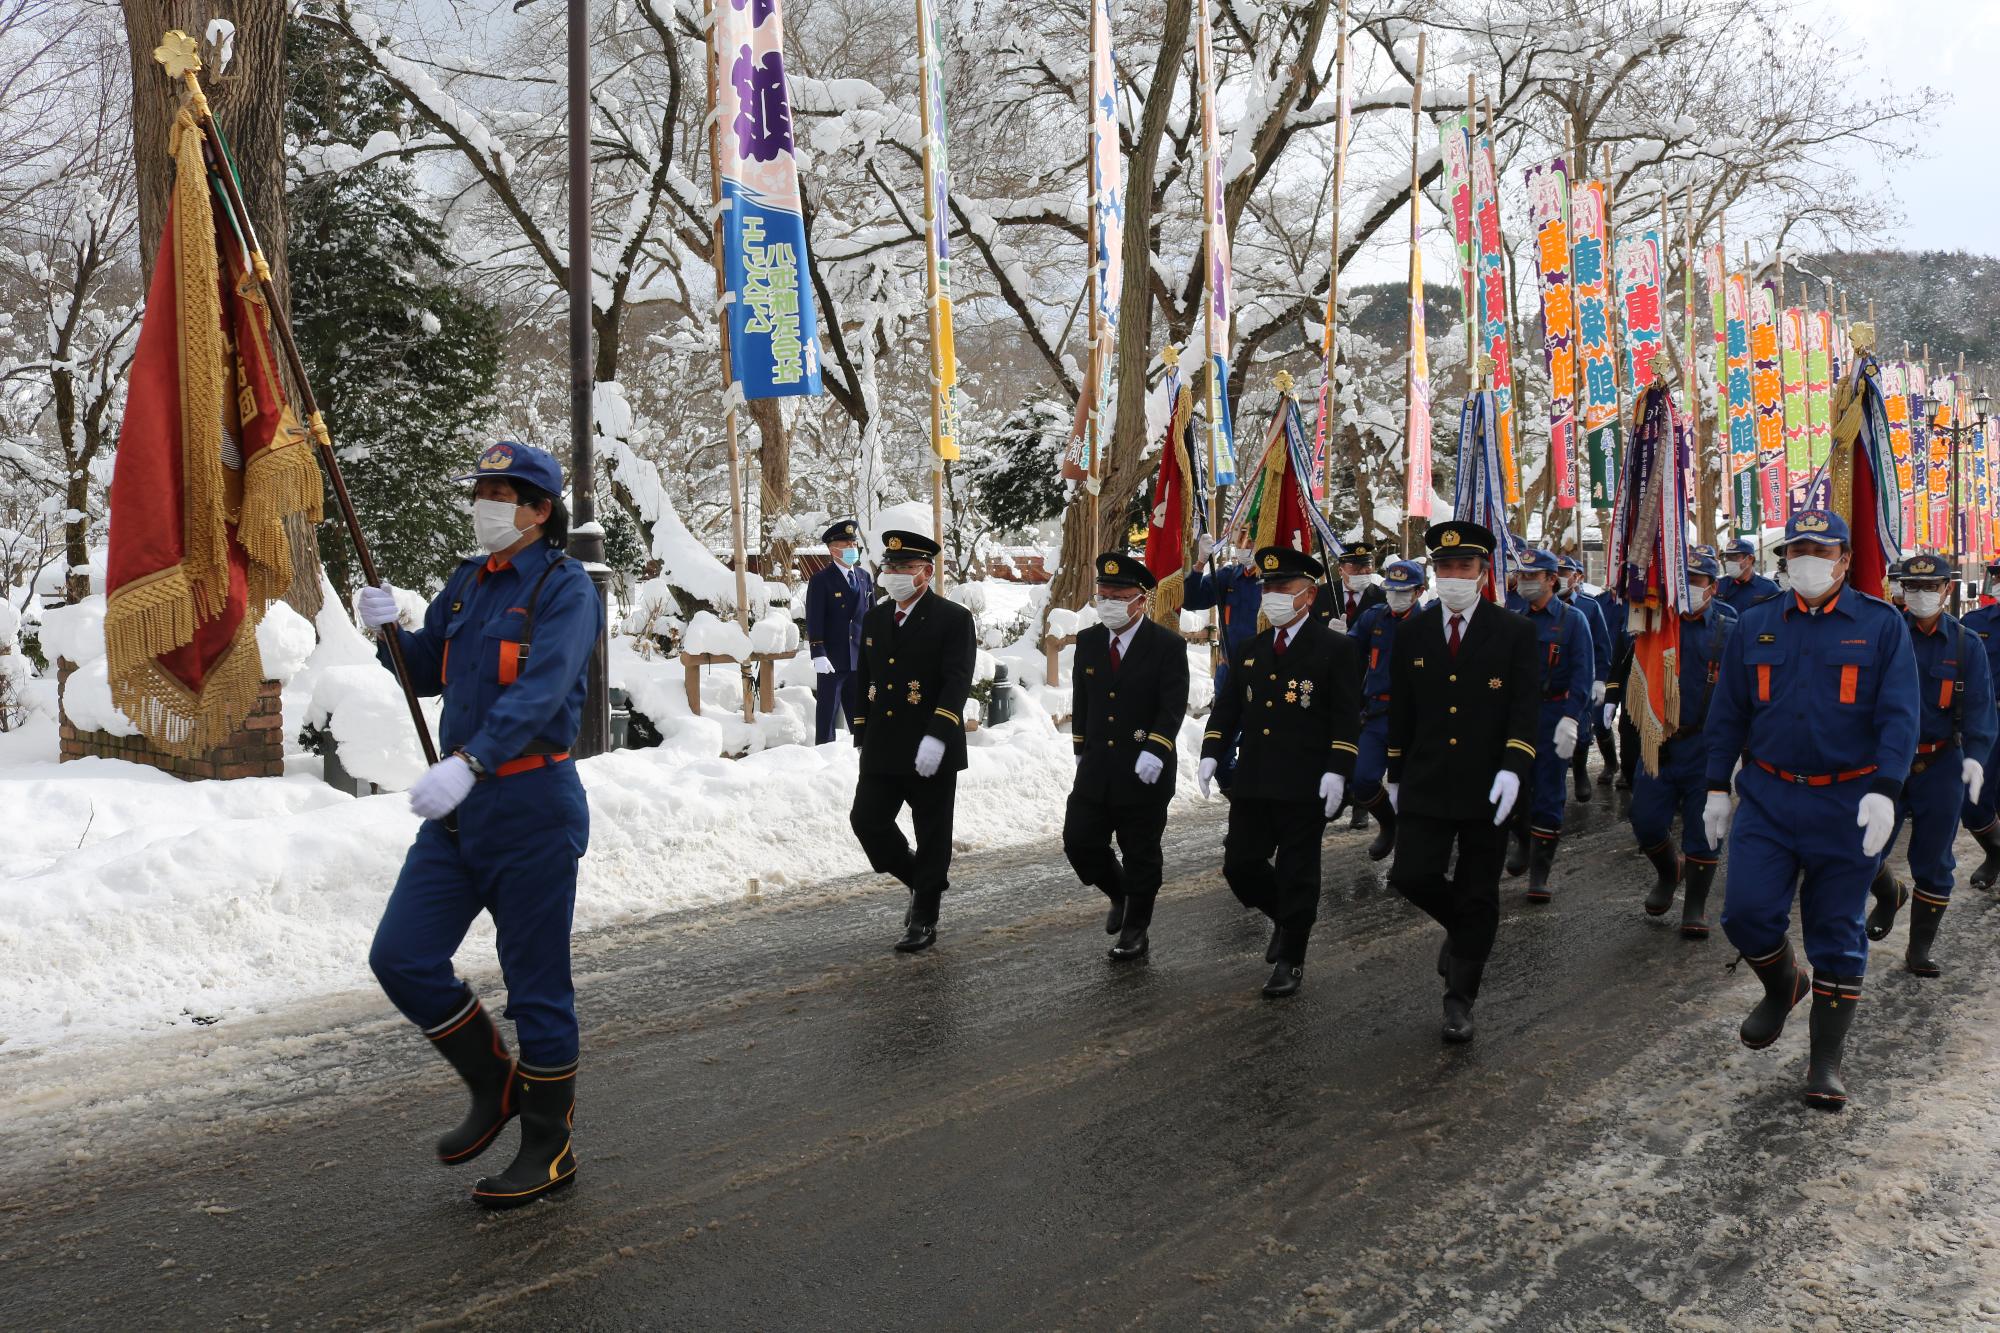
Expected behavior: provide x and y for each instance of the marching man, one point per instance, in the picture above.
(914, 674)
(1128, 696)
(1955, 730)
(1602, 650)
(1744, 587)
(504, 818)
(1818, 698)
(836, 600)
(1567, 661)
(1374, 634)
(1231, 590)
(1464, 691)
(1293, 696)
(1681, 785)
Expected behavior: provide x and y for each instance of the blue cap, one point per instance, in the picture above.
(510, 460)
(1741, 546)
(1817, 525)
(1535, 560)
(1571, 563)
(1923, 567)
(1403, 574)
(1701, 560)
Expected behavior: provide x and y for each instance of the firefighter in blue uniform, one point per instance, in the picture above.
(1681, 785)
(1606, 722)
(1374, 634)
(1979, 815)
(836, 599)
(504, 817)
(1955, 730)
(1742, 586)
(1564, 650)
(1235, 593)
(1601, 648)
(1818, 699)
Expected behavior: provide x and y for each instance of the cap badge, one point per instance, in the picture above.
(497, 459)
(1811, 523)
(1270, 562)
(1448, 538)
(1111, 567)
(895, 543)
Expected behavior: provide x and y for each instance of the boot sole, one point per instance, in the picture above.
(1931, 971)
(503, 1201)
(1661, 910)
(1694, 932)
(1540, 896)
(1115, 956)
(1826, 1101)
(1453, 1037)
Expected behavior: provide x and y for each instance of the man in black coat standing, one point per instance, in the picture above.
(1295, 693)
(1128, 696)
(1463, 702)
(914, 672)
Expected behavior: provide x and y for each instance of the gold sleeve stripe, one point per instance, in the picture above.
(1395, 754)
(1522, 746)
(1343, 745)
(1156, 736)
(947, 714)
(1211, 735)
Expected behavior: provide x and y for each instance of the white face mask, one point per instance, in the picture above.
(1533, 589)
(1458, 595)
(1698, 598)
(493, 525)
(1402, 599)
(1280, 608)
(1742, 568)
(1923, 605)
(1812, 575)
(900, 587)
(1357, 583)
(1114, 612)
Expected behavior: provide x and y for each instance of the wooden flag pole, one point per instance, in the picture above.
(1704, 477)
(1417, 296)
(730, 390)
(931, 224)
(1332, 335)
(1472, 376)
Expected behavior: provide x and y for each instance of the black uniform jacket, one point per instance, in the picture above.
(911, 683)
(1300, 713)
(1456, 721)
(1332, 599)
(1117, 714)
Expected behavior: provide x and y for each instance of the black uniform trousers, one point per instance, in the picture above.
(1466, 903)
(1270, 858)
(1134, 872)
(878, 797)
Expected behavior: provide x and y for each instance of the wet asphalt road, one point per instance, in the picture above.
(783, 1125)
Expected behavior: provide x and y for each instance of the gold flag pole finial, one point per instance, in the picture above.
(1283, 379)
(180, 56)
(1170, 355)
(1862, 336)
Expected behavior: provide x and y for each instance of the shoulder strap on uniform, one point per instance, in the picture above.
(1958, 690)
(534, 600)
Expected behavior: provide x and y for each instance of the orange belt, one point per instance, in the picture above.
(1932, 747)
(1813, 779)
(528, 763)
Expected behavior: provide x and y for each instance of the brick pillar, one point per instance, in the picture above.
(254, 750)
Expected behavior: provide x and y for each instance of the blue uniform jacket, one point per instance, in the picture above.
(1704, 642)
(1235, 591)
(836, 599)
(1600, 634)
(1746, 593)
(1562, 646)
(1374, 635)
(1949, 679)
(470, 644)
(1985, 623)
(1817, 693)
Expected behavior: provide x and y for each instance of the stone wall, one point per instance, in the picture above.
(256, 750)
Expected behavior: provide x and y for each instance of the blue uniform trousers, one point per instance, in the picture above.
(1373, 761)
(1680, 789)
(1979, 815)
(514, 856)
(833, 693)
(1930, 805)
(1785, 833)
(1549, 782)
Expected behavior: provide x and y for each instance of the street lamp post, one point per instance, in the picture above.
(1982, 408)
(586, 541)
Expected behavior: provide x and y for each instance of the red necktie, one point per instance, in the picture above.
(1452, 643)
(1352, 602)
(1116, 656)
(901, 616)
(1278, 643)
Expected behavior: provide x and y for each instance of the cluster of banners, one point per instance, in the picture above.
(1472, 185)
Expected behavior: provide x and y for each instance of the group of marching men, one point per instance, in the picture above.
(1455, 721)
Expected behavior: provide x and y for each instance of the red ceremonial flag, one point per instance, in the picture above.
(214, 489)
(1171, 520)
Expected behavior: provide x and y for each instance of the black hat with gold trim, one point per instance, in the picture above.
(1459, 537)
(847, 530)
(900, 545)
(1282, 562)
(1116, 569)
(1356, 552)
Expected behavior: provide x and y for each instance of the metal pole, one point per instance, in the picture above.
(586, 542)
(932, 224)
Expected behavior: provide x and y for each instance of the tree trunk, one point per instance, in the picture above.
(774, 484)
(248, 101)
(76, 489)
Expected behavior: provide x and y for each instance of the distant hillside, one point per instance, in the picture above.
(1950, 300)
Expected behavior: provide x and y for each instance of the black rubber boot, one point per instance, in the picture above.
(1890, 895)
(1461, 988)
(1925, 916)
(1608, 752)
(1114, 918)
(1358, 817)
(1541, 856)
(1698, 877)
(1579, 767)
(1385, 827)
(1784, 987)
(546, 1161)
(1835, 1002)
(1666, 859)
(1517, 848)
(1984, 874)
(478, 1052)
(1277, 945)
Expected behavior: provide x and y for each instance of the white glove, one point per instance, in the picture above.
(1610, 716)
(1505, 791)
(1395, 790)
(930, 753)
(1149, 767)
(377, 606)
(444, 784)
(1338, 624)
(1876, 821)
(1565, 738)
(1202, 546)
(1715, 817)
(1205, 775)
(1597, 692)
(822, 665)
(1332, 787)
(1975, 778)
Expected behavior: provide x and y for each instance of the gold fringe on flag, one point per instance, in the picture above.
(205, 549)
(181, 721)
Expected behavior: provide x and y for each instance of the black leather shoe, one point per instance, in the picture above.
(1276, 946)
(1835, 1000)
(1132, 943)
(1890, 895)
(1666, 861)
(1285, 979)
(1114, 919)
(917, 939)
(1461, 989)
(475, 1048)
